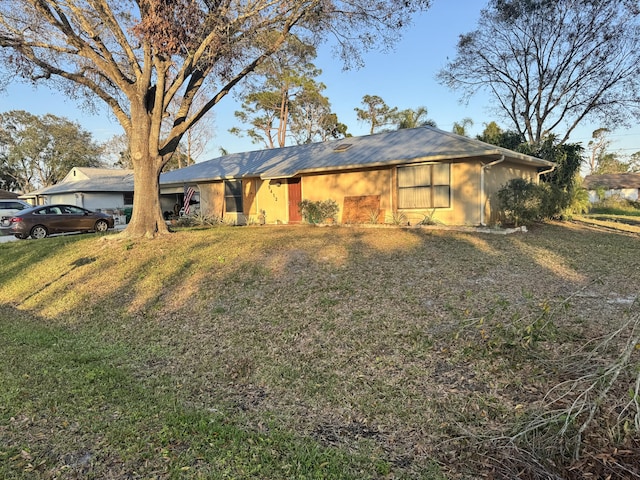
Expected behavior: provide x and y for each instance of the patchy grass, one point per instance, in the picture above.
(627, 223)
(620, 208)
(277, 352)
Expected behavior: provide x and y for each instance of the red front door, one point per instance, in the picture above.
(295, 197)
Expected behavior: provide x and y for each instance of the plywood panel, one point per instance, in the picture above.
(362, 209)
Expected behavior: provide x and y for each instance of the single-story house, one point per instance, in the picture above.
(5, 194)
(623, 185)
(415, 172)
(100, 189)
(93, 188)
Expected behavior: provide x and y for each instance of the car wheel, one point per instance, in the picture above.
(39, 231)
(102, 226)
(19, 236)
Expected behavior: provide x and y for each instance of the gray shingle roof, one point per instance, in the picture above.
(93, 172)
(111, 183)
(391, 148)
(614, 181)
(6, 194)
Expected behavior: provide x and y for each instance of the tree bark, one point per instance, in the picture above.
(146, 219)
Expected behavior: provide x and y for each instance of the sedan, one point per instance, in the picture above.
(38, 222)
(8, 208)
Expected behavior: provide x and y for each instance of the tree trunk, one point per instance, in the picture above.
(146, 219)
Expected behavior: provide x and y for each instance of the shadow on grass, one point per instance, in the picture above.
(386, 343)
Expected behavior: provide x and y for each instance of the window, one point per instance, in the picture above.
(233, 196)
(128, 198)
(71, 210)
(424, 186)
(12, 205)
(342, 147)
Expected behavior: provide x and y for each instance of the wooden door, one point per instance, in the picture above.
(295, 197)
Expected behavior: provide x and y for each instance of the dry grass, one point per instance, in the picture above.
(415, 347)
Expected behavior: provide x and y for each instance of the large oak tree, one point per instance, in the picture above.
(552, 64)
(140, 56)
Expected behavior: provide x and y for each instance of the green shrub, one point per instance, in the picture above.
(319, 211)
(521, 202)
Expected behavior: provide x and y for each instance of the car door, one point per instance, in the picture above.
(75, 219)
(51, 218)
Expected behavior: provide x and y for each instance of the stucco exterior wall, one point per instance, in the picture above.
(464, 208)
(258, 195)
(271, 196)
(495, 178)
(469, 204)
(336, 186)
(465, 194)
(626, 193)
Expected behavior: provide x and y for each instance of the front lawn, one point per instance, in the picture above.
(306, 352)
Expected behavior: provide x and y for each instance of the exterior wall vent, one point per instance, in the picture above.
(343, 147)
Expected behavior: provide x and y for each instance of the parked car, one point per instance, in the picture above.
(8, 208)
(38, 222)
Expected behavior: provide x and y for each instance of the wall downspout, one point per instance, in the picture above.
(546, 171)
(483, 195)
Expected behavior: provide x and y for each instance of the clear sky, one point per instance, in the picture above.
(403, 78)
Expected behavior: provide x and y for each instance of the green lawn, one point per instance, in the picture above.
(336, 352)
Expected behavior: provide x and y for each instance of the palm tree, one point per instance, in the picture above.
(411, 118)
(461, 128)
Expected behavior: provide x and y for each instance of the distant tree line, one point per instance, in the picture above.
(38, 151)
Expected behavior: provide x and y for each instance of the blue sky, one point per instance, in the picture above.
(403, 78)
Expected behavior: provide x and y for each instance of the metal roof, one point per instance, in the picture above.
(423, 144)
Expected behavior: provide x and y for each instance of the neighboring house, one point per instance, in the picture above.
(623, 185)
(8, 195)
(420, 172)
(98, 189)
